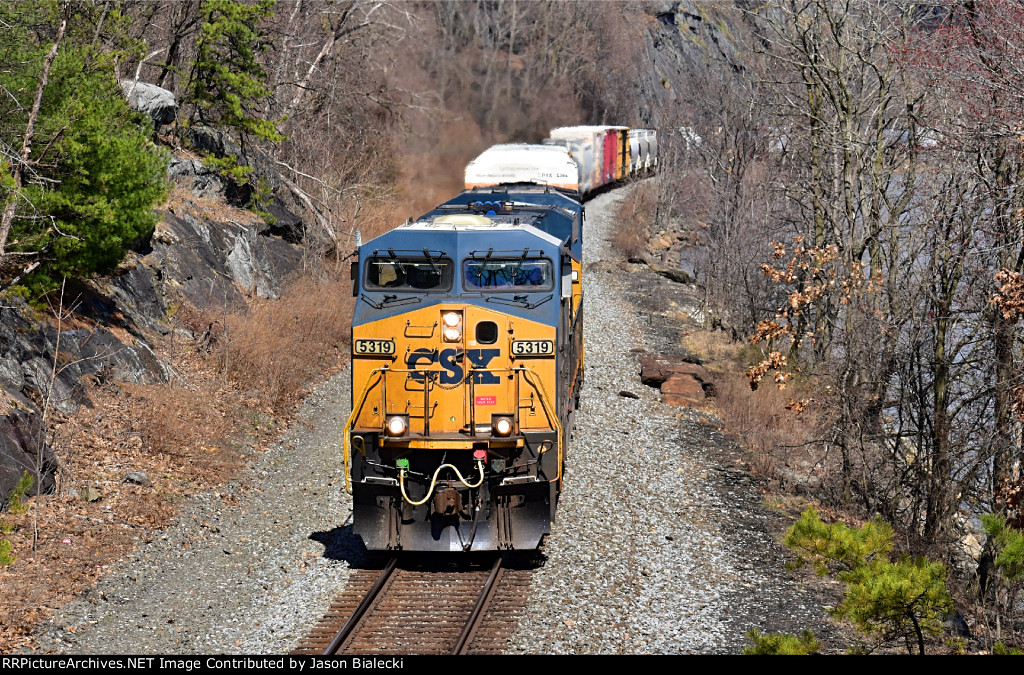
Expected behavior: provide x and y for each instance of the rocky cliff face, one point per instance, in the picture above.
(203, 253)
(690, 44)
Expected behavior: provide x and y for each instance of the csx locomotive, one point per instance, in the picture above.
(467, 365)
(467, 344)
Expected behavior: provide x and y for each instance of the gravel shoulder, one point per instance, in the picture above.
(661, 545)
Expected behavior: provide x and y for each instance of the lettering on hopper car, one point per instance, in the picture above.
(449, 360)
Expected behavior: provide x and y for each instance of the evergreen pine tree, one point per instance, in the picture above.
(902, 600)
(92, 176)
(228, 82)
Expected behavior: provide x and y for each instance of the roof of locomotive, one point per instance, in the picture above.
(521, 193)
(509, 229)
(548, 210)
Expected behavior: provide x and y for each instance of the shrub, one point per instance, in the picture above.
(279, 347)
(633, 222)
(6, 558)
(1009, 542)
(1001, 649)
(96, 174)
(902, 600)
(782, 644)
(18, 501)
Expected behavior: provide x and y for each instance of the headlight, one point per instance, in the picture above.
(452, 326)
(396, 425)
(501, 425)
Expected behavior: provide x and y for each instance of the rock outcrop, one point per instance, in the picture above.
(203, 252)
(155, 102)
(691, 39)
(680, 382)
(22, 446)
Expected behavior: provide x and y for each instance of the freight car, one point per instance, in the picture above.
(579, 160)
(521, 163)
(467, 366)
(607, 154)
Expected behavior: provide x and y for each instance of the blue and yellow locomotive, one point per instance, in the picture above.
(467, 344)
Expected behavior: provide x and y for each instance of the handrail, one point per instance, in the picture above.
(539, 386)
(356, 409)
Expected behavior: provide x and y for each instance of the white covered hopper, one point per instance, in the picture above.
(522, 163)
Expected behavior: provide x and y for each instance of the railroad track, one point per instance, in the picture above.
(412, 606)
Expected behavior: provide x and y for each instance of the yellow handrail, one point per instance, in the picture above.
(539, 386)
(346, 454)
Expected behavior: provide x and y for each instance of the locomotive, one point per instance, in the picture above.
(467, 366)
(467, 349)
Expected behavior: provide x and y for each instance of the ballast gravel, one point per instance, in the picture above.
(661, 545)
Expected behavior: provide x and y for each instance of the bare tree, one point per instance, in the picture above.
(19, 164)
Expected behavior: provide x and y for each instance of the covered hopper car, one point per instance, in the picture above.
(580, 160)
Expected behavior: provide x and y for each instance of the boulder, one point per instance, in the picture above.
(681, 382)
(680, 276)
(682, 389)
(654, 370)
(155, 102)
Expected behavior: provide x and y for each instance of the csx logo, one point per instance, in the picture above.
(451, 361)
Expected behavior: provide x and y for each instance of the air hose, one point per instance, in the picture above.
(433, 481)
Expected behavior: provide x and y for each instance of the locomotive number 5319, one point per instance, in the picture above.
(373, 347)
(533, 347)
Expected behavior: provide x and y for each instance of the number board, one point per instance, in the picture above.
(533, 347)
(375, 347)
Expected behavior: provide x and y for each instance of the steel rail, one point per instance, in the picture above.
(479, 610)
(364, 606)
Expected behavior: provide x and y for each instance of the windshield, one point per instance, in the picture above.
(507, 275)
(408, 274)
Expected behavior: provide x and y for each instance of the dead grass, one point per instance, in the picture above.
(276, 348)
(780, 439)
(186, 437)
(777, 427)
(230, 394)
(281, 346)
(633, 220)
(714, 346)
(183, 200)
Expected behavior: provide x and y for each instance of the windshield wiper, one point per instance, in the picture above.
(371, 303)
(398, 262)
(515, 272)
(430, 260)
(390, 300)
(518, 300)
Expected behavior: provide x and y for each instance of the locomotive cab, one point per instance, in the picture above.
(465, 367)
